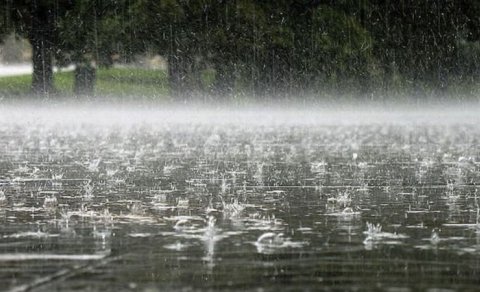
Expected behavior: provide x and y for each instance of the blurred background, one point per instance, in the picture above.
(241, 49)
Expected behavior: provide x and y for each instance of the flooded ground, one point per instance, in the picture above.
(169, 201)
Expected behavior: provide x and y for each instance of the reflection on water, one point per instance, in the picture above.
(154, 206)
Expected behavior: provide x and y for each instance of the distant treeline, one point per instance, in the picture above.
(258, 47)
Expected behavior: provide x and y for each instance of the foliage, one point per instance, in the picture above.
(94, 31)
(272, 47)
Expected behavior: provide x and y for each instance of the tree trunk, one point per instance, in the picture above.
(177, 75)
(85, 76)
(42, 78)
(41, 38)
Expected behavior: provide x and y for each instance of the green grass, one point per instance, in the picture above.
(15, 86)
(114, 82)
(134, 84)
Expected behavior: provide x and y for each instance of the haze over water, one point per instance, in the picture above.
(152, 199)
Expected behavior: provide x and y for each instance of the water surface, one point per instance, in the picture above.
(156, 200)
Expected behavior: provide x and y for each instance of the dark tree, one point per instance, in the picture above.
(90, 33)
(36, 20)
(42, 36)
(269, 47)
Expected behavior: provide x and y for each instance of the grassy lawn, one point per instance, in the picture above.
(134, 84)
(15, 86)
(114, 82)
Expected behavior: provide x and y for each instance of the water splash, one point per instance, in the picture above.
(232, 210)
(376, 236)
(87, 191)
(50, 202)
(271, 242)
(435, 237)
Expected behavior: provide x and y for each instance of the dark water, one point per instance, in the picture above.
(202, 205)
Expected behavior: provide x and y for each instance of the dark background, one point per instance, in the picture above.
(276, 48)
